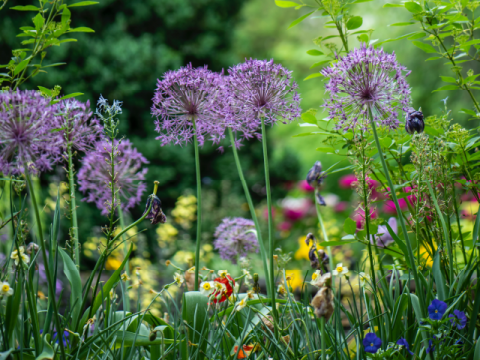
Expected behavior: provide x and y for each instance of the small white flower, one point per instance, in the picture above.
(25, 258)
(178, 278)
(247, 274)
(223, 273)
(321, 280)
(340, 270)
(363, 278)
(241, 304)
(315, 277)
(207, 288)
(5, 289)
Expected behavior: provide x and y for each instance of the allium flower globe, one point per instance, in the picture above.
(364, 78)
(95, 175)
(261, 89)
(189, 101)
(26, 133)
(234, 238)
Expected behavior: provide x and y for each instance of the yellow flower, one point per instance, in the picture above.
(363, 278)
(112, 263)
(166, 233)
(303, 249)
(125, 277)
(178, 278)
(296, 278)
(241, 304)
(223, 273)
(25, 258)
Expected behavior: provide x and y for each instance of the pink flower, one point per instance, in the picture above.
(305, 186)
(359, 216)
(285, 226)
(347, 181)
(295, 209)
(341, 206)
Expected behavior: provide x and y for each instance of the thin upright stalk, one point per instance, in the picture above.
(325, 236)
(45, 259)
(322, 329)
(199, 205)
(125, 250)
(411, 257)
(73, 207)
(270, 218)
(263, 251)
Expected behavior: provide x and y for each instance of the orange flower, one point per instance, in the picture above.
(224, 295)
(244, 352)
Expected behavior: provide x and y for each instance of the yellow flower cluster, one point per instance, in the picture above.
(185, 211)
(143, 281)
(53, 191)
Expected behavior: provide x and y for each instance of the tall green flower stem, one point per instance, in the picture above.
(263, 251)
(325, 236)
(324, 345)
(270, 221)
(43, 244)
(73, 207)
(199, 204)
(125, 251)
(411, 257)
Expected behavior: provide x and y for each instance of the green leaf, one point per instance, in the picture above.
(21, 66)
(71, 95)
(5, 355)
(350, 226)
(66, 14)
(81, 29)
(336, 243)
(319, 63)
(195, 314)
(48, 92)
(300, 19)
(476, 355)
(73, 276)
(413, 7)
(388, 5)
(425, 47)
(312, 76)
(129, 338)
(38, 21)
(286, 4)
(439, 278)
(314, 52)
(447, 87)
(354, 23)
(47, 353)
(403, 23)
(25, 8)
(363, 38)
(84, 3)
(309, 116)
(448, 79)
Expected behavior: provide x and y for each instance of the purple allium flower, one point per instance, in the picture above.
(95, 175)
(366, 77)
(372, 343)
(233, 238)
(27, 134)
(260, 88)
(403, 342)
(186, 94)
(436, 309)
(383, 237)
(74, 117)
(458, 319)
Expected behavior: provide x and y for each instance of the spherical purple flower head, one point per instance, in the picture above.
(366, 77)
(95, 175)
(74, 117)
(458, 319)
(436, 309)
(260, 88)
(371, 343)
(186, 94)
(26, 133)
(233, 238)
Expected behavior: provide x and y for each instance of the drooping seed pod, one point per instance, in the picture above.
(414, 121)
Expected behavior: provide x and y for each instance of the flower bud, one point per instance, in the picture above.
(153, 335)
(414, 121)
(156, 214)
(315, 176)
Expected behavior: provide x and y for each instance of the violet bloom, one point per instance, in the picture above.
(95, 175)
(79, 130)
(234, 238)
(26, 133)
(458, 319)
(261, 89)
(383, 237)
(436, 309)
(403, 342)
(188, 102)
(364, 78)
(371, 343)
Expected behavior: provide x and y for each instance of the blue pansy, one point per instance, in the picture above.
(436, 309)
(403, 342)
(430, 347)
(372, 343)
(458, 319)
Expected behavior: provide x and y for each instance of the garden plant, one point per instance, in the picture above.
(414, 294)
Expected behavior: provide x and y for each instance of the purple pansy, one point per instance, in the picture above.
(95, 175)
(364, 78)
(383, 237)
(27, 136)
(403, 342)
(371, 343)
(233, 238)
(436, 309)
(458, 319)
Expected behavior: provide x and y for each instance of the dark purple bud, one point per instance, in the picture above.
(310, 237)
(414, 122)
(320, 199)
(312, 255)
(315, 176)
(156, 214)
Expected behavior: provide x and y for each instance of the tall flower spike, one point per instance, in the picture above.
(26, 133)
(364, 78)
(95, 175)
(186, 96)
(78, 129)
(235, 238)
(260, 88)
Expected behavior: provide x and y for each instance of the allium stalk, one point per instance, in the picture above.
(199, 204)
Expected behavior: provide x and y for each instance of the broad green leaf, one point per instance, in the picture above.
(71, 95)
(47, 353)
(403, 23)
(439, 278)
(73, 276)
(38, 21)
(21, 66)
(84, 3)
(319, 63)
(413, 7)
(300, 19)
(5, 355)
(286, 4)
(45, 90)
(425, 47)
(363, 38)
(66, 14)
(195, 314)
(129, 338)
(312, 76)
(314, 52)
(448, 79)
(350, 226)
(476, 355)
(409, 36)
(25, 8)
(309, 116)
(354, 23)
(81, 29)
(447, 87)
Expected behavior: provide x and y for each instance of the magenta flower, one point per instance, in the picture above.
(95, 175)
(261, 89)
(79, 129)
(189, 101)
(27, 134)
(359, 216)
(235, 238)
(364, 78)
